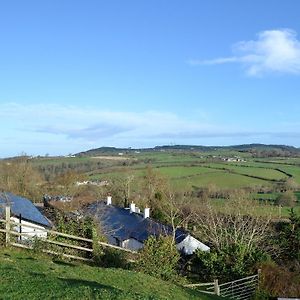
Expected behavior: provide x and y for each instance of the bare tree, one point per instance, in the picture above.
(19, 176)
(176, 210)
(238, 223)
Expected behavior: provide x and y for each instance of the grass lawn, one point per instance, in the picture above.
(24, 275)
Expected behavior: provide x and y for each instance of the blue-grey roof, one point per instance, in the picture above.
(121, 224)
(23, 206)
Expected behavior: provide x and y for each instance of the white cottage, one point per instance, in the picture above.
(24, 212)
(128, 228)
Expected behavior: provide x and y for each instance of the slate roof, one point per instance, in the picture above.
(23, 206)
(121, 224)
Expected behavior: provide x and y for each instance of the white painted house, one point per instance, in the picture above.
(129, 228)
(24, 212)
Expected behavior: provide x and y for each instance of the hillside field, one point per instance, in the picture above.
(24, 275)
(186, 170)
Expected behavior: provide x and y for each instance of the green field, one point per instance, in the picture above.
(219, 179)
(255, 171)
(23, 275)
(187, 170)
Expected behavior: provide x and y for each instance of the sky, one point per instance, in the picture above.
(77, 75)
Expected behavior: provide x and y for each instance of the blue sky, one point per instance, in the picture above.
(76, 75)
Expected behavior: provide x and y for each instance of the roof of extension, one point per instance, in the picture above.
(121, 224)
(23, 206)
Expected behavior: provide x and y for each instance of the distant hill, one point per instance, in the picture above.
(257, 150)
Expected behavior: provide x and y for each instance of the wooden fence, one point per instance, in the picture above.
(27, 240)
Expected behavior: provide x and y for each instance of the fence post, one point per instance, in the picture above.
(7, 225)
(258, 278)
(216, 287)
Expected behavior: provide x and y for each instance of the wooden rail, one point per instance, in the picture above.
(31, 236)
(65, 235)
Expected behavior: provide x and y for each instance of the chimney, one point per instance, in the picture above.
(146, 212)
(108, 201)
(132, 207)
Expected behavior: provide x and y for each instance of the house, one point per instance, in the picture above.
(128, 228)
(23, 211)
(58, 198)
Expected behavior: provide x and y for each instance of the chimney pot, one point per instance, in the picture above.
(132, 207)
(146, 212)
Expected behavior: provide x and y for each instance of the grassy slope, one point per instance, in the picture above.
(26, 276)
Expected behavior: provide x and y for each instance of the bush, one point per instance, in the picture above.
(288, 238)
(229, 264)
(159, 258)
(113, 258)
(287, 198)
(279, 281)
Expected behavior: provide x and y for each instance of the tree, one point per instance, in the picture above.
(291, 184)
(288, 239)
(175, 209)
(20, 177)
(237, 237)
(237, 224)
(121, 187)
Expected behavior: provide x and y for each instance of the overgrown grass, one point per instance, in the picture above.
(23, 275)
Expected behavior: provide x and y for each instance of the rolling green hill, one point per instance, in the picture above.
(251, 148)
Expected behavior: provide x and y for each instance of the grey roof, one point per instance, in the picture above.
(121, 224)
(23, 206)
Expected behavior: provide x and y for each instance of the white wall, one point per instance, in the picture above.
(38, 231)
(189, 245)
(132, 244)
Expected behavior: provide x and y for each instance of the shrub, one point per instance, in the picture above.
(159, 258)
(288, 238)
(113, 258)
(229, 264)
(287, 198)
(279, 281)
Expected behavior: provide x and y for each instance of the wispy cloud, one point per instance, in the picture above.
(274, 51)
(42, 128)
(94, 124)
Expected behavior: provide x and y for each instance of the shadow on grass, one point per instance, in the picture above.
(64, 263)
(26, 258)
(37, 274)
(95, 286)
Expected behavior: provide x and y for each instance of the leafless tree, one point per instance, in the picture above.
(19, 176)
(175, 208)
(237, 223)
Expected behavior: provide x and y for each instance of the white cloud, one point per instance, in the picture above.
(274, 51)
(95, 124)
(58, 129)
